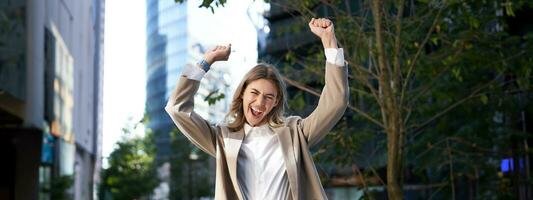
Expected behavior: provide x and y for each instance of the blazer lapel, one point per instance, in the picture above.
(284, 137)
(233, 145)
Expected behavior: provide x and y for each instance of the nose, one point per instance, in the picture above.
(261, 101)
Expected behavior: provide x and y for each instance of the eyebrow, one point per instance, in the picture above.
(268, 94)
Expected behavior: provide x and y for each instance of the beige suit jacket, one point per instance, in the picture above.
(296, 136)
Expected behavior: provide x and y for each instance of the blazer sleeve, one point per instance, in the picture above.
(180, 107)
(331, 105)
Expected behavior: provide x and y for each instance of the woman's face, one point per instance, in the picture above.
(258, 99)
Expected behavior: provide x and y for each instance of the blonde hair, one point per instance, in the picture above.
(235, 118)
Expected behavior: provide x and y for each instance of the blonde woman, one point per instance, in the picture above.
(261, 154)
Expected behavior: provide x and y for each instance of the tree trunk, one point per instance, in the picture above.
(390, 111)
(394, 157)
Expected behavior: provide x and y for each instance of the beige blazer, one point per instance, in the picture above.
(296, 136)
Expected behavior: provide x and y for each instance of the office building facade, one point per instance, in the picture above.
(50, 97)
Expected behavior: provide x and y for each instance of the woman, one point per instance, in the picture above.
(260, 154)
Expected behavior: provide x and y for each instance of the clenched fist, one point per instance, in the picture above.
(219, 53)
(323, 28)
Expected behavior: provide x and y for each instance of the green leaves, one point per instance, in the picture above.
(59, 187)
(457, 74)
(473, 22)
(508, 6)
(484, 99)
(464, 70)
(208, 4)
(214, 96)
(297, 102)
(132, 171)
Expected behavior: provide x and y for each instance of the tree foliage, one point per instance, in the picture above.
(191, 176)
(131, 173)
(59, 187)
(208, 4)
(429, 81)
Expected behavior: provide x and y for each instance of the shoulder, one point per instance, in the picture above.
(292, 121)
(222, 129)
(292, 118)
(222, 126)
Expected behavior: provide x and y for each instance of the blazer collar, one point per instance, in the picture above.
(287, 147)
(233, 145)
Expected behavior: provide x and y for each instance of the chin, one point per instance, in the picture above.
(255, 122)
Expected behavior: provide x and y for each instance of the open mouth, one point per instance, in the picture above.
(256, 112)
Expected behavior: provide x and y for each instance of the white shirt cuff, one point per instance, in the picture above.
(335, 56)
(193, 72)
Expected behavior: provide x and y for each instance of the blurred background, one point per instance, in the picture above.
(440, 94)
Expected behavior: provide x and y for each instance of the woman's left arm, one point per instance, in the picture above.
(334, 97)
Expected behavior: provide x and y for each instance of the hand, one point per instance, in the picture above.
(219, 53)
(323, 28)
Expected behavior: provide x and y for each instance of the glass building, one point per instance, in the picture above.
(170, 47)
(166, 47)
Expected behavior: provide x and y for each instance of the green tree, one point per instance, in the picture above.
(191, 176)
(427, 79)
(59, 187)
(131, 173)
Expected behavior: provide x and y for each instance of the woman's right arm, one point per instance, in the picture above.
(180, 105)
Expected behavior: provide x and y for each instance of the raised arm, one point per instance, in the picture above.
(180, 105)
(334, 97)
